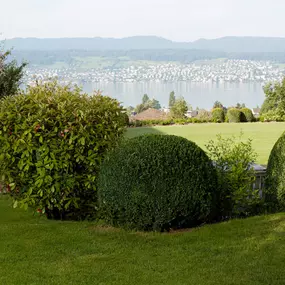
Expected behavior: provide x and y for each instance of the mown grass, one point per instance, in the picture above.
(36, 251)
(264, 135)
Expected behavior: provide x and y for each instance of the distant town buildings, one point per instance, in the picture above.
(221, 71)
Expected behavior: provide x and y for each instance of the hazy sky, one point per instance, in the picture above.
(179, 20)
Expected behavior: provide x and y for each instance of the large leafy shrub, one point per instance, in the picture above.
(247, 115)
(275, 176)
(233, 158)
(218, 115)
(157, 182)
(53, 140)
(234, 115)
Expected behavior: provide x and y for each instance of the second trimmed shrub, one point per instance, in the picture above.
(234, 115)
(218, 115)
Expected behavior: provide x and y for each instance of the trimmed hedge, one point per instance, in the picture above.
(234, 115)
(157, 182)
(147, 123)
(275, 177)
(53, 139)
(247, 115)
(218, 115)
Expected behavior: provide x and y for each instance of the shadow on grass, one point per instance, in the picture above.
(134, 132)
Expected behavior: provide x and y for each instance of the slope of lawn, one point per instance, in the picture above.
(264, 135)
(36, 251)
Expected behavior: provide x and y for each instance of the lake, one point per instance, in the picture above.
(198, 94)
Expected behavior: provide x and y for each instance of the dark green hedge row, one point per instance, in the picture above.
(146, 123)
(143, 123)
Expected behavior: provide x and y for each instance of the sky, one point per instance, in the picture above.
(177, 20)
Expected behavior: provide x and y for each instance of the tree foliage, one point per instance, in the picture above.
(52, 140)
(218, 104)
(154, 104)
(274, 98)
(179, 109)
(145, 99)
(10, 75)
(171, 99)
(147, 104)
(129, 110)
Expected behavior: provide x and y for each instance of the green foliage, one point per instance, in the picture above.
(129, 110)
(240, 106)
(10, 75)
(147, 104)
(234, 115)
(140, 108)
(247, 115)
(179, 109)
(157, 182)
(233, 158)
(218, 105)
(154, 104)
(53, 139)
(145, 99)
(272, 116)
(142, 123)
(204, 116)
(172, 99)
(218, 115)
(275, 176)
(267, 106)
(275, 98)
(183, 121)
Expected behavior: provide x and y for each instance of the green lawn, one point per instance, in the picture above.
(264, 135)
(36, 251)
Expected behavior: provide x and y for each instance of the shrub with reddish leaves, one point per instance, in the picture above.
(53, 139)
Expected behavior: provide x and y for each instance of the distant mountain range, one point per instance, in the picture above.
(225, 44)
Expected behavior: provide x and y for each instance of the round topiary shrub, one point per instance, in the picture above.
(157, 182)
(275, 176)
(247, 115)
(53, 139)
(234, 115)
(218, 115)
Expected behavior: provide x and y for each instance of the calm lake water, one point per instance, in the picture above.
(198, 94)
